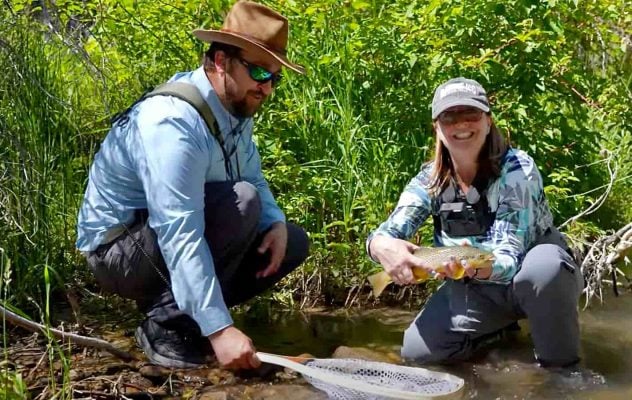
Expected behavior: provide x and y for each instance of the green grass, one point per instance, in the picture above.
(338, 145)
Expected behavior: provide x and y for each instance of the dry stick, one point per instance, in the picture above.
(604, 261)
(77, 339)
(32, 372)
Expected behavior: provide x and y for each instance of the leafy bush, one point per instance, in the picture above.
(339, 144)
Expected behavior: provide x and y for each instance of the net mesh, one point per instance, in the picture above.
(413, 380)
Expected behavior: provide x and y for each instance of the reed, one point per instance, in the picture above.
(338, 145)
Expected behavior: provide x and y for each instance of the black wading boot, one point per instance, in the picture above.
(182, 348)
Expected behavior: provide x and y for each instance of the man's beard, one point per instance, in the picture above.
(243, 109)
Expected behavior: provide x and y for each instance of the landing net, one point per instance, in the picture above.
(351, 379)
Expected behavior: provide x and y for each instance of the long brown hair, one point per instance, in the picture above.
(489, 160)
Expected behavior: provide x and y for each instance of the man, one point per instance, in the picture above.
(183, 222)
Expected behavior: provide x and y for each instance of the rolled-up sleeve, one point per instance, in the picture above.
(172, 160)
(270, 211)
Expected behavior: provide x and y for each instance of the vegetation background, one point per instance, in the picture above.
(339, 144)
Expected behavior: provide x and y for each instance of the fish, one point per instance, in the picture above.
(435, 257)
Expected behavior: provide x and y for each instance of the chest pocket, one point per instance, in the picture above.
(461, 215)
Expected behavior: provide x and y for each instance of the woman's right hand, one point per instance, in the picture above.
(396, 257)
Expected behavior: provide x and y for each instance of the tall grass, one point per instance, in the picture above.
(338, 144)
(42, 170)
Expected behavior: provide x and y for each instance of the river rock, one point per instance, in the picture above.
(218, 376)
(363, 353)
(154, 371)
(219, 395)
(284, 392)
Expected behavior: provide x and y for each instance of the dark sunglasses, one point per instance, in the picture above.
(259, 74)
(454, 117)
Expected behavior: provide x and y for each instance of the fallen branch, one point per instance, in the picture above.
(76, 339)
(601, 260)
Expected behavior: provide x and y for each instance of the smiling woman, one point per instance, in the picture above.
(482, 193)
(466, 141)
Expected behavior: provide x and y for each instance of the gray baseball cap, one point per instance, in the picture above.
(459, 92)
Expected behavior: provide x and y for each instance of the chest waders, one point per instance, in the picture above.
(458, 214)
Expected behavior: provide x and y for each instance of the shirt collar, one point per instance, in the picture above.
(225, 119)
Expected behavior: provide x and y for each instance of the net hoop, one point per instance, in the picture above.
(454, 383)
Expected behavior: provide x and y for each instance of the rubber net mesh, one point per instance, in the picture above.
(413, 380)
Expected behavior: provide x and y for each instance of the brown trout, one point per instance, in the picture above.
(435, 257)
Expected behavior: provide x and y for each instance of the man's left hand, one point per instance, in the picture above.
(276, 242)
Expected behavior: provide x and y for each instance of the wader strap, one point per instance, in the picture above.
(189, 93)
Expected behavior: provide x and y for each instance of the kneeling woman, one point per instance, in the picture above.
(480, 191)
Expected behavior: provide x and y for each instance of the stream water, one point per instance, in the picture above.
(506, 372)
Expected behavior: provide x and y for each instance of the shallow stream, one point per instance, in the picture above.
(507, 371)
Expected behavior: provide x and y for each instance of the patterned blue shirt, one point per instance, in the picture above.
(159, 161)
(517, 198)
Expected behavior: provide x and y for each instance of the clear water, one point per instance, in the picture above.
(505, 372)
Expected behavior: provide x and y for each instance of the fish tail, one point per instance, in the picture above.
(379, 282)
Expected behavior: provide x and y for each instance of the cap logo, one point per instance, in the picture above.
(457, 87)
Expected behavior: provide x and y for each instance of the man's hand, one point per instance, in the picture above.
(396, 256)
(233, 349)
(275, 241)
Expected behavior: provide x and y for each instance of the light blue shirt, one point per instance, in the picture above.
(160, 160)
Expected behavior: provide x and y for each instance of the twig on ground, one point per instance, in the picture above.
(77, 339)
(601, 260)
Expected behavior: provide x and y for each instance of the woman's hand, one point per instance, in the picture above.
(450, 270)
(396, 256)
(478, 273)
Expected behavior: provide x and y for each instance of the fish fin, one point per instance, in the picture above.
(459, 274)
(379, 282)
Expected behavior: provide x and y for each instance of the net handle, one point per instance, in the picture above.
(345, 382)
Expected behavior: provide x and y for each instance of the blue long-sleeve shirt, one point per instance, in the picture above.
(160, 160)
(517, 197)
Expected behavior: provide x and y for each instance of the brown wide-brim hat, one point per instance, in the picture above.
(256, 28)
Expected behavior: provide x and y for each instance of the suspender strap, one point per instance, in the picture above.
(190, 94)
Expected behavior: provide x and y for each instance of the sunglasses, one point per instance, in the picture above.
(259, 74)
(454, 117)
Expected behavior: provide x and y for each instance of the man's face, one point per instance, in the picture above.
(244, 95)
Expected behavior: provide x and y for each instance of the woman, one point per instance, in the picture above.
(483, 193)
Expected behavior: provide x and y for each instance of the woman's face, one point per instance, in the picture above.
(463, 131)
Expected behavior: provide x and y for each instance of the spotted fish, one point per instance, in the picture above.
(435, 257)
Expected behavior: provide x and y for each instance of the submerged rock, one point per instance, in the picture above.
(364, 353)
